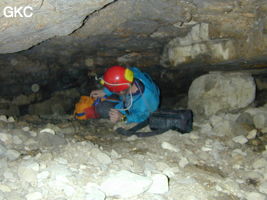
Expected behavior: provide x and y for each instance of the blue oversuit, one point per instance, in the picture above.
(143, 103)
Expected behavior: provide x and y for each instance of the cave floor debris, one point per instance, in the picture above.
(61, 158)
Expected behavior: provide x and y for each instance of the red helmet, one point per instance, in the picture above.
(117, 78)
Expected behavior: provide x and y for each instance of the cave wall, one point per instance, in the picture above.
(172, 40)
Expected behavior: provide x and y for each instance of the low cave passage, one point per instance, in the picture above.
(207, 56)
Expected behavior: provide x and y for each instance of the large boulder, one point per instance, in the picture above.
(49, 18)
(221, 92)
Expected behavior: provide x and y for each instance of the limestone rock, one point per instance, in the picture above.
(4, 188)
(260, 120)
(125, 184)
(101, 157)
(256, 195)
(170, 147)
(64, 17)
(48, 130)
(6, 138)
(11, 119)
(34, 196)
(93, 192)
(2, 149)
(195, 44)
(12, 154)
(188, 189)
(27, 171)
(263, 187)
(221, 92)
(183, 162)
(221, 126)
(159, 185)
(240, 139)
(49, 140)
(252, 134)
(260, 163)
(3, 118)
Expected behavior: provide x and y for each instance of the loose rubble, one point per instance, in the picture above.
(51, 161)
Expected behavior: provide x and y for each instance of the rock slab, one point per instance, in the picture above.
(125, 184)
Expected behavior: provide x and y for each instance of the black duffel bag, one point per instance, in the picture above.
(162, 121)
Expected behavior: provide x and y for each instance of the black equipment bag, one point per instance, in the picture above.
(162, 121)
(179, 120)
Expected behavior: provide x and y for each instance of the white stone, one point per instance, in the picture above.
(205, 148)
(170, 147)
(252, 134)
(35, 87)
(253, 175)
(114, 154)
(30, 142)
(170, 172)
(100, 156)
(11, 119)
(217, 92)
(3, 118)
(256, 196)
(263, 187)
(48, 130)
(43, 175)
(6, 138)
(162, 166)
(10, 176)
(160, 184)
(125, 184)
(260, 163)
(68, 190)
(27, 171)
(5, 188)
(93, 192)
(240, 139)
(264, 130)
(127, 162)
(260, 120)
(33, 133)
(34, 196)
(103, 158)
(194, 135)
(239, 151)
(2, 149)
(221, 126)
(131, 138)
(17, 140)
(61, 160)
(26, 128)
(183, 162)
(12, 154)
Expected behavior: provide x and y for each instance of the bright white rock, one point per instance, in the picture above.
(125, 184)
(159, 185)
(168, 146)
(240, 139)
(34, 196)
(256, 196)
(263, 187)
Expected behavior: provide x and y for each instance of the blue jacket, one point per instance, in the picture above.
(143, 103)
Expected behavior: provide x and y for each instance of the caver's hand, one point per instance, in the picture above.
(114, 115)
(97, 93)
